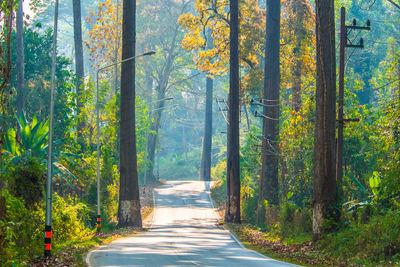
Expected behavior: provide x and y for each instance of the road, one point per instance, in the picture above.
(183, 233)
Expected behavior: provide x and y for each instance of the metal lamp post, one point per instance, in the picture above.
(47, 229)
(98, 126)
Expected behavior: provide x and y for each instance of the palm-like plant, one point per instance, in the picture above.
(32, 144)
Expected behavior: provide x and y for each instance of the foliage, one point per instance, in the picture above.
(213, 16)
(20, 231)
(33, 146)
(373, 243)
(26, 181)
(37, 74)
(6, 19)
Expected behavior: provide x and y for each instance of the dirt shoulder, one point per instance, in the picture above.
(306, 253)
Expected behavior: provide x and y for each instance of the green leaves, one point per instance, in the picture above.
(32, 144)
(374, 182)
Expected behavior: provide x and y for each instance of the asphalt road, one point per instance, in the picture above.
(183, 233)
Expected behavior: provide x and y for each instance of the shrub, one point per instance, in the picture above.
(375, 242)
(69, 220)
(27, 181)
(20, 235)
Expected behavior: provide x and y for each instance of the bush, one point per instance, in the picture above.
(27, 181)
(249, 200)
(21, 229)
(69, 220)
(377, 241)
(294, 221)
(20, 234)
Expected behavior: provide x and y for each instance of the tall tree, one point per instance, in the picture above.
(205, 169)
(232, 213)
(6, 17)
(129, 203)
(20, 59)
(325, 195)
(270, 156)
(166, 69)
(80, 74)
(300, 10)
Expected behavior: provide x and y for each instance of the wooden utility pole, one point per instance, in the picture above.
(339, 151)
(343, 44)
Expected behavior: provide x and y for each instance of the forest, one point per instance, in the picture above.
(289, 109)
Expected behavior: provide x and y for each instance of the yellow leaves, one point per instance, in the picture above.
(192, 40)
(106, 32)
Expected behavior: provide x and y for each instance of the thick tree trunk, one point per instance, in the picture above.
(299, 7)
(325, 196)
(207, 141)
(20, 59)
(269, 189)
(129, 203)
(232, 213)
(78, 63)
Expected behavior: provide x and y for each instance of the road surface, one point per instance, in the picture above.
(183, 233)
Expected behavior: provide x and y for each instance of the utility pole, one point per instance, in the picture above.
(344, 42)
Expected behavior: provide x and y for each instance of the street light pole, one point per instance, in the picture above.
(47, 229)
(98, 126)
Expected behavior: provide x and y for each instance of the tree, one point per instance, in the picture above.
(169, 67)
(6, 17)
(269, 189)
(213, 15)
(20, 59)
(205, 169)
(205, 166)
(79, 68)
(325, 195)
(232, 213)
(129, 203)
(37, 73)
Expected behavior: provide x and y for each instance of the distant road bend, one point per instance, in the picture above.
(183, 233)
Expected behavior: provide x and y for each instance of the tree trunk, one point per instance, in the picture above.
(161, 91)
(207, 141)
(129, 203)
(269, 189)
(299, 7)
(80, 75)
(325, 196)
(153, 136)
(116, 48)
(232, 213)
(20, 59)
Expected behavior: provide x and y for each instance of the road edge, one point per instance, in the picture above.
(234, 237)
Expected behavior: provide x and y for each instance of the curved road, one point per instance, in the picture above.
(183, 233)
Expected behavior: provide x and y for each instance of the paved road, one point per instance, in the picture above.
(183, 233)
